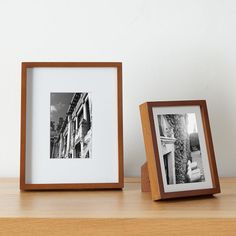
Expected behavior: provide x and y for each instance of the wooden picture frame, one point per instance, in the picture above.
(32, 178)
(157, 117)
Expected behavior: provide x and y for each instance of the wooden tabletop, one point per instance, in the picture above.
(126, 212)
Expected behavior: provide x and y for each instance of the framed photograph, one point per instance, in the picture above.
(71, 126)
(179, 149)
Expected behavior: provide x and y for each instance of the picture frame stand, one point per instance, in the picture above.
(145, 181)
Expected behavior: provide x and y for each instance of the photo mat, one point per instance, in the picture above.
(182, 148)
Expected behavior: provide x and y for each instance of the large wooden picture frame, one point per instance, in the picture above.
(179, 149)
(84, 150)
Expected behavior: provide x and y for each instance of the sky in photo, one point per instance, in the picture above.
(59, 105)
(192, 123)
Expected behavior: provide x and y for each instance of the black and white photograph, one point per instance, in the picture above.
(70, 125)
(180, 148)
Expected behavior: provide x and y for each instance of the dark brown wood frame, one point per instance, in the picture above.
(152, 154)
(23, 184)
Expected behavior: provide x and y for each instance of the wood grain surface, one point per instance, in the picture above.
(114, 212)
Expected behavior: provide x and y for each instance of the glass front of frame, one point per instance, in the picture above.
(182, 148)
(71, 125)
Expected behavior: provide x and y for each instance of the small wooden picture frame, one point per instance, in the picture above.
(71, 126)
(179, 150)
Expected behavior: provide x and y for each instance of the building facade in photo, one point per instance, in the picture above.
(73, 136)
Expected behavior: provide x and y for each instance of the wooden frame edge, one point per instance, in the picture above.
(23, 125)
(71, 186)
(150, 152)
(71, 64)
(120, 124)
(210, 147)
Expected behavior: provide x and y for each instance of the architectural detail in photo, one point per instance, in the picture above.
(70, 125)
(180, 148)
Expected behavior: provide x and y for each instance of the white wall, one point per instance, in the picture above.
(170, 50)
